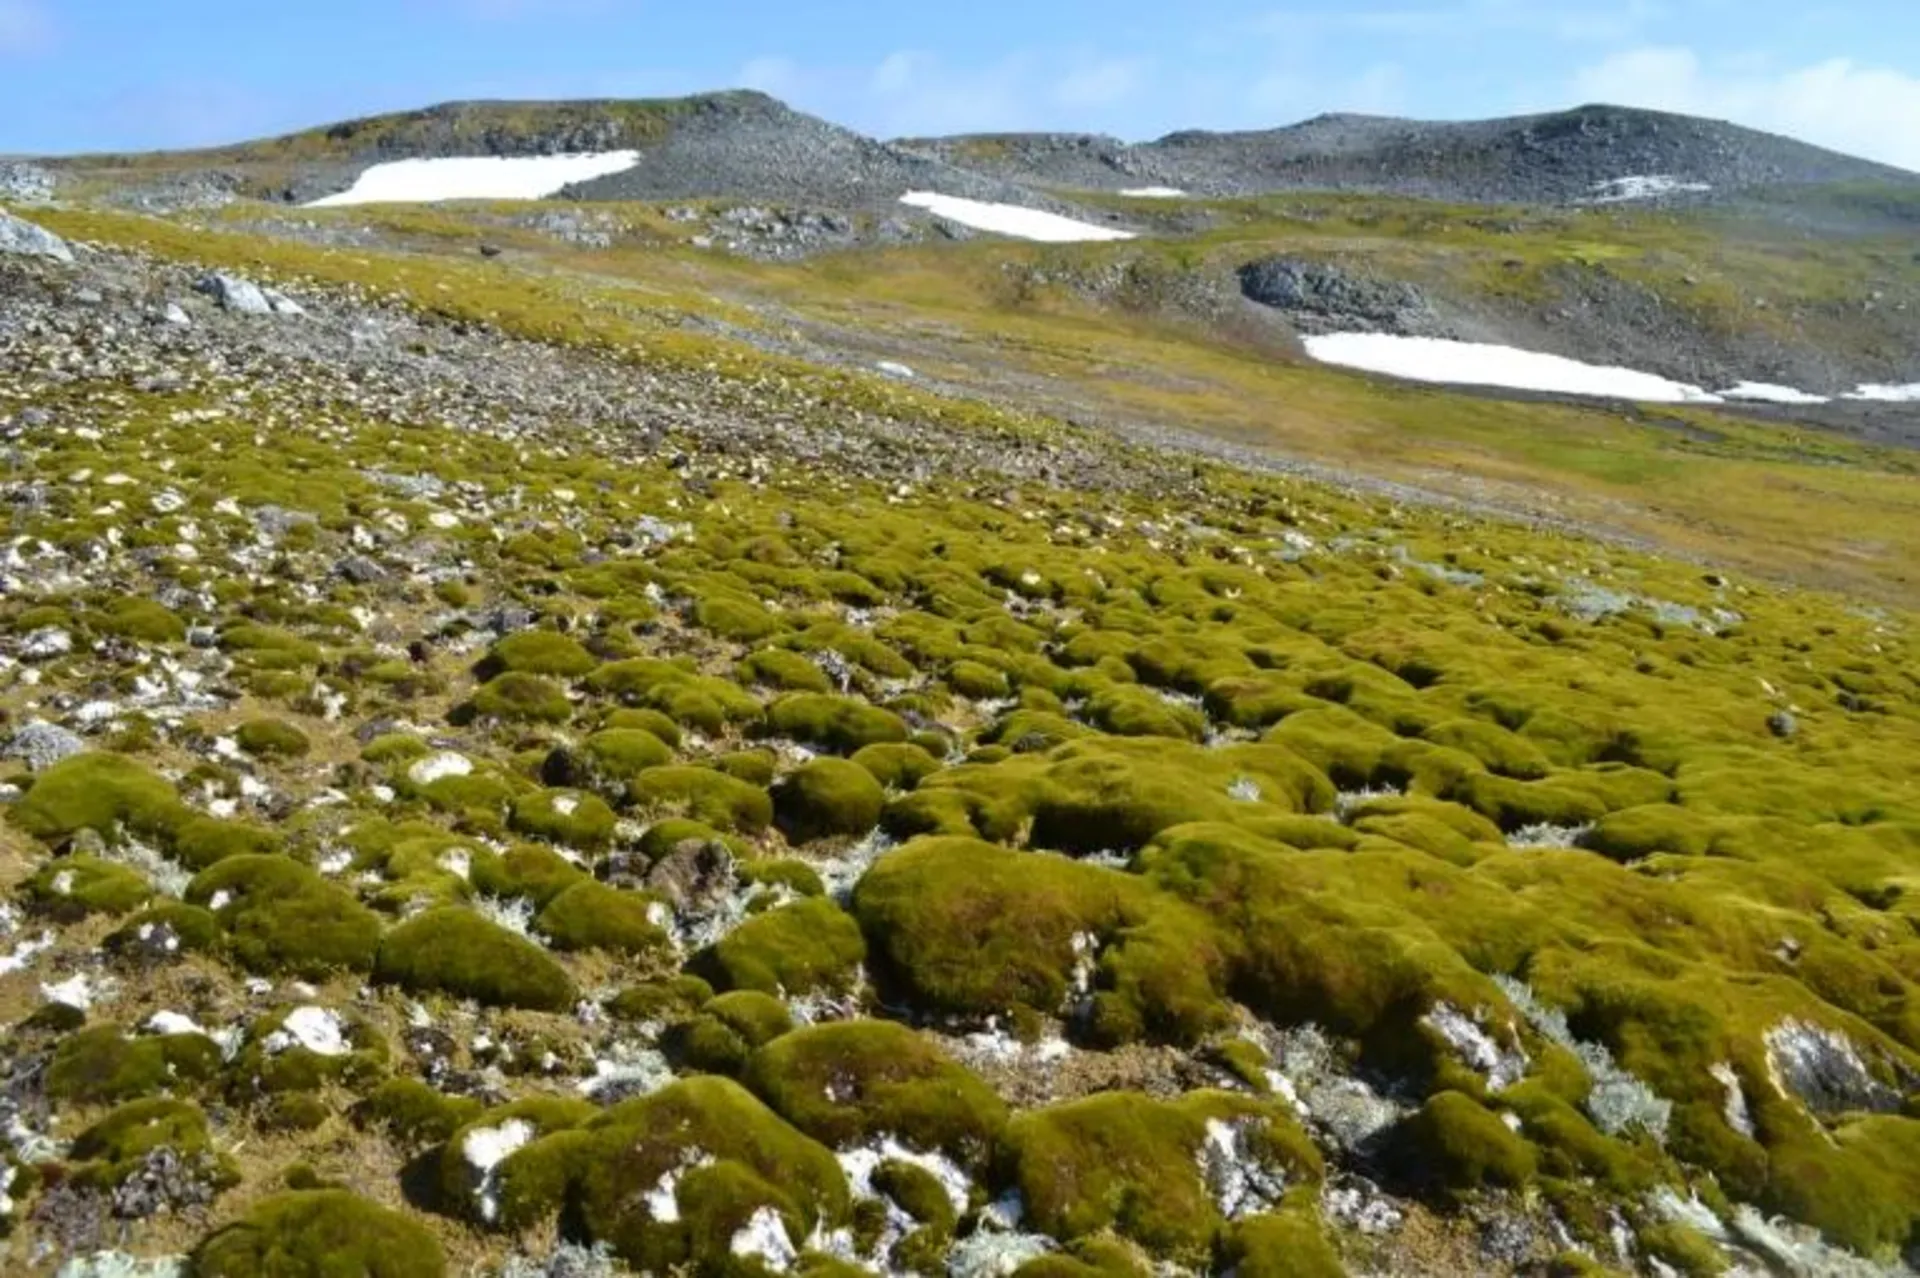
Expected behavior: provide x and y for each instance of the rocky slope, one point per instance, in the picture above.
(1556, 158)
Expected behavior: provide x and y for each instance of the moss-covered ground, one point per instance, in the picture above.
(644, 885)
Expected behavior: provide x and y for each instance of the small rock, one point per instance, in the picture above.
(1782, 724)
(235, 294)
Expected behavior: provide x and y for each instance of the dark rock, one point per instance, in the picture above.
(1321, 297)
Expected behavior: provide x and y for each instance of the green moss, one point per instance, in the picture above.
(72, 887)
(293, 1112)
(272, 739)
(1501, 752)
(1125, 1162)
(620, 754)
(117, 1145)
(705, 1045)
(1684, 1249)
(269, 1065)
(794, 949)
(848, 1082)
(785, 670)
(735, 617)
(195, 930)
(106, 793)
(973, 679)
(757, 1161)
(141, 620)
(262, 643)
(414, 1113)
(802, 879)
(568, 818)
(840, 724)
(540, 652)
(898, 765)
(394, 747)
(200, 842)
(526, 869)
(280, 916)
(649, 721)
(455, 951)
(967, 928)
(521, 698)
(1633, 833)
(757, 1017)
(714, 798)
(320, 1234)
(1457, 1144)
(528, 1185)
(1285, 1244)
(101, 1066)
(593, 916)
(661, 1000)
(826, 798)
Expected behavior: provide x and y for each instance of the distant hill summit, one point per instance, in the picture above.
(1586, 153)
(747, 146)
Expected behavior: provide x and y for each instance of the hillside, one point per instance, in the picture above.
(776, 732)
(1586, 154)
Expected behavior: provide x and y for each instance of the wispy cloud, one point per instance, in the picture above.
(1838, 103)
(26, 28)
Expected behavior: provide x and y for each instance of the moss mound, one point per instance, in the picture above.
(840, 724)
(973, 929)
(539, 652)
(73, 887)
(825, 798)
(852, 1081)
(320, 1234)
(454, 951)
(1458, 1144)
(280, 916)
(794, 949)
(1125, 1162)
(272, 739)
(706, 795)
(593, 916)
(757, 1161)
(106, 793)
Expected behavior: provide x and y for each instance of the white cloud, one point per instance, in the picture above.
(25, 28)
(1838, 103)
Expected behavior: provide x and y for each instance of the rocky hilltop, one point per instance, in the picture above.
(1582, 154)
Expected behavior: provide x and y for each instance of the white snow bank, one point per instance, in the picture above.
(1011, 219)
(1432, 359)
(1155, 193)
(1643, 187)
(1908, 394)
(1768, 393)
(477, 177)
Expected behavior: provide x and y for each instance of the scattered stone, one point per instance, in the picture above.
(235, 294)
(41, 745)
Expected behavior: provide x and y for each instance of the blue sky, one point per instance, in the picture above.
(113, 74)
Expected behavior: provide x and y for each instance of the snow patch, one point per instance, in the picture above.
(1433, 359)
(1643, 187)
(1011, 219)
(477, 177)
(765, 1236)
(1768, 393)
(1241, 1184)
(1881, 393)
(436, 767)
(484, 1149)
(1154, 193)
(316, 1029)
(73, 992)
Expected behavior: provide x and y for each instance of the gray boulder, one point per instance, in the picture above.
(23, 239)
(1319, 296)
(41, 745)
(235, 294)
